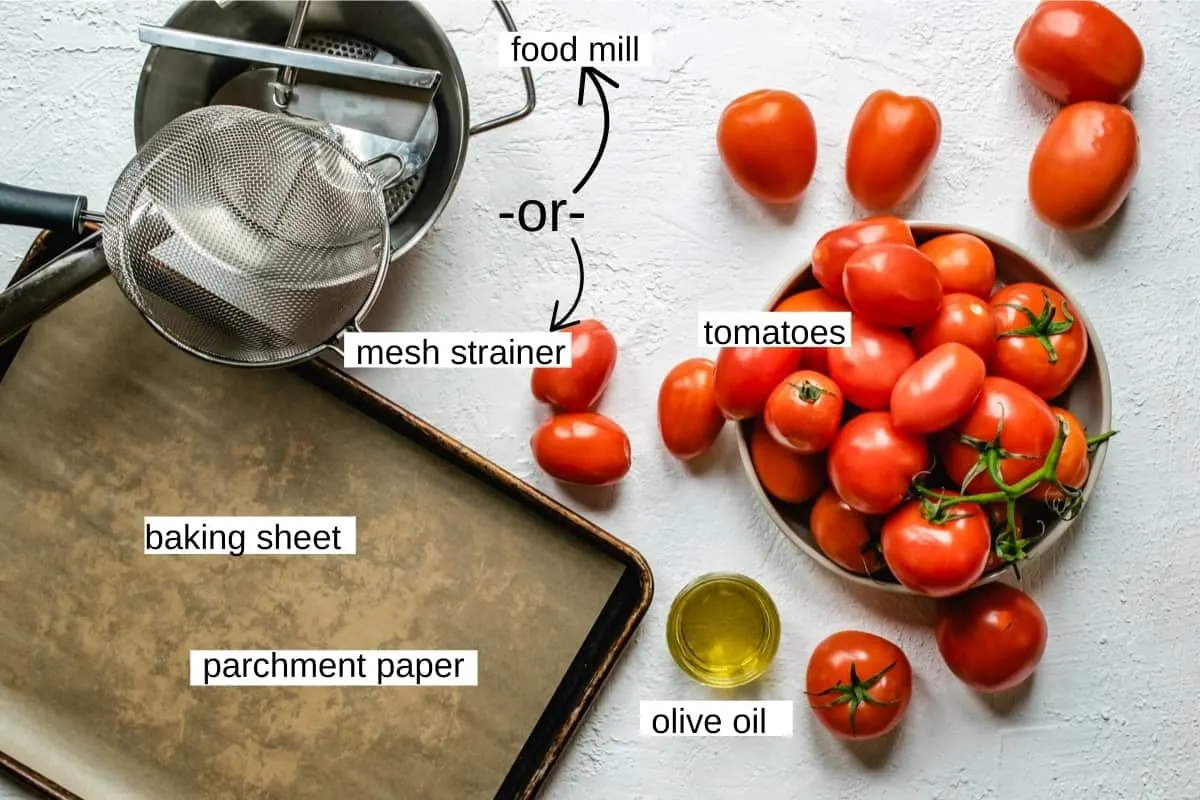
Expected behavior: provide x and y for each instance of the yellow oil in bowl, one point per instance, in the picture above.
(723, 630)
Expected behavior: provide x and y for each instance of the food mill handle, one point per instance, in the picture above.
(32, 208)
(526, 76)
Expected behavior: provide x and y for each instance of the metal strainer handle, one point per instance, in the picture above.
(41, 292)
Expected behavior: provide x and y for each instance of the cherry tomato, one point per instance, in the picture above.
(586, 448)
(745, 377)
(1012, 544)
(872, 463)
(688, 417)
(938, 389)
(1040, 342)
(992, 638)
(963, 318)
(858, 684)
(579, 386)
(844, 535)
(937, 558)
(1075, 51)
(768, 142)
(788, 477)
(867, 370)
(892, 284)
(1084, 166)
(964, 262)
(892, 143)
(1073, 463)
(815, 358)
(804, 412)
(831, 251)
(1026, 428)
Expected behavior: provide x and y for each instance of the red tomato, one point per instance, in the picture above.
(892, 284)
(963, 318)
(579, 386)
(1040, 343)
(804, 412)
(858, 684)
(992, 638)
(964, 262)
(688, 417)
(768, 142)
(937, 559)
(867, 370)
(831, 251)
(1073, 463)
(788, 477)
(1075, 51)
(745, 377)
(1084, 166)
(815, 358)
(1026, 428)
(872, 463)
(844, 535)
(586, 448)
(892, 143)
(938, 389)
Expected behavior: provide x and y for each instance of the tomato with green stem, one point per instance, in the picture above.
(846, 536)
(804, 412)
(936, 554)
(964, 319)
(872, 463)
(1040, 343)
(744, 377)
(858, 685)
(867, 370)
(1073, 465)
(835, 247)
(992, 638)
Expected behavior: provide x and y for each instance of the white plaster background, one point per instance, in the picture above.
(1114, 711)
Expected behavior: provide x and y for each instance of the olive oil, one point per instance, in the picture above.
(723, 630)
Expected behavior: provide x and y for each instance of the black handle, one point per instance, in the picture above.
(32, 208)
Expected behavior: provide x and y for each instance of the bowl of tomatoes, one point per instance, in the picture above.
(957, 435)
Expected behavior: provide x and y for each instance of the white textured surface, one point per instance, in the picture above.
(1113, 711)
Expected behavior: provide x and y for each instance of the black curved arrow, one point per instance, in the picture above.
(557, 324)
(595, 76)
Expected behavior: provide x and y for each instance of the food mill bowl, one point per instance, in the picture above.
(1088, 398)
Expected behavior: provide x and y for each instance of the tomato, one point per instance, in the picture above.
(892, 143)
(963, 318)
(586, 448)
(1013, 545)
(831, 251)
(579, 386)
(938, 389)
(892, 284)
(992, 638)
(964, 262)
(1040, 342)
(1026, 428)
(872, 463)
(844, 535)
(768, 142)
(858, 684)
(745, 377)
(1075, 51)
(804, 412)
(688, 417)
(788, 477)
(1073, 463)
(815, 358)
(937, 559)
(867, 370)
(1084, 166)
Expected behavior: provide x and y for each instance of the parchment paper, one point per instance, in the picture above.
(102, 423)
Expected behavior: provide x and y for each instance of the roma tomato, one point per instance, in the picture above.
(892, 284)
(1084, 166)
(831, 251)
(992, 638)
(586, 448)
(1073, 463)
(804, 412)
(1040, 343)
(963, 318)
(936, 558)
(788, 477)
(844, 535)
(964, 262)
(872, 463)
(938, 389)
(688, 417)
(1076, 50)
(579, 386)
(858, 684)
(768, 142)
(815, 358)
(867, 370)
(892, 143)
(745, 377)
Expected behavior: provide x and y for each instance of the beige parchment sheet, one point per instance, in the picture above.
(102, 422)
